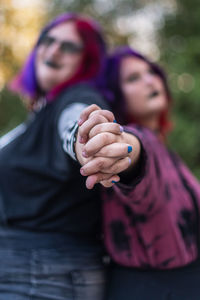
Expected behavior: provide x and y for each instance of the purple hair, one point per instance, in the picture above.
(26, 83)
(112, 78)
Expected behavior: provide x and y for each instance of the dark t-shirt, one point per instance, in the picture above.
(40, 185)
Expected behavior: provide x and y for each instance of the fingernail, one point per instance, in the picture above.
(129, 160)
(121, 128)
(114, 181)
(84, 154)
(82, 172)
(80, 121)
(130, 149)
(80, 139)
(114, 121)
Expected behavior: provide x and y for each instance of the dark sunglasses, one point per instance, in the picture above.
(65, 46)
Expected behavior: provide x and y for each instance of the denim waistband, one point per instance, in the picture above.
(24, 239)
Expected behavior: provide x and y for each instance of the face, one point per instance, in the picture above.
(143, 90)
(58, 56)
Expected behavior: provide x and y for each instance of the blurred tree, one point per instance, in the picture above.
(180, 44)
(104, 11)
(109, 13)
(15, 111)
(19, 26)
(20, 22)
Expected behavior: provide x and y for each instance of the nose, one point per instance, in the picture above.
(53, 50)
(149, 78)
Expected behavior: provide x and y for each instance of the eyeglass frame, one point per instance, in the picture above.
(66, 47)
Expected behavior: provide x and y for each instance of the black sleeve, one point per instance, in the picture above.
(72, 104)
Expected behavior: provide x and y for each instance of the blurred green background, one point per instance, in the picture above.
(167, 31)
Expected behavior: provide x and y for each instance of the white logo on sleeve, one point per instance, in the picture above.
(11, 135)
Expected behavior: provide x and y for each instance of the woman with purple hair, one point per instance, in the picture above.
(50, 223)
(151, 217)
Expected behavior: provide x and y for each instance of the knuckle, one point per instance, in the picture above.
(85, 112)
(106, 183)
(104, 176)
(98, 128)
(111, 115)
(81, 130)
(116, 126)
(89, 147)
(94, 109)
(95, 118)
(92, 133)
(100, 163)
(99, 177)
(95, 106)
(119, 128)
(95, 130)
(107, 151)
(96, 112)
(86, 149)
(114, 169)
(105, 137)
(108, 115)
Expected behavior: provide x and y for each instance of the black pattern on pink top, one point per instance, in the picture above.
(152, 222)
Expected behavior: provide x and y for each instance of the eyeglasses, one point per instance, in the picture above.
(65, 46)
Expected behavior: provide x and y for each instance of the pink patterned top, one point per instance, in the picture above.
(154, 221)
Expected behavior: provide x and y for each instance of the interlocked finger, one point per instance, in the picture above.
(96, 143)
(98, 164)
(106, 127)
(85, 128)
(97, 178)
(117, 150)
(86, 112)
(110, 182)
(119, 166)
(103, 112)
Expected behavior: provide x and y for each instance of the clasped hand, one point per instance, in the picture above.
(103, 149)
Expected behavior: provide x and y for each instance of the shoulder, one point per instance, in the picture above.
(82, 93)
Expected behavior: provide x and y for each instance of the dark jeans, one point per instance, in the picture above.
(132, 284)
(59, 273)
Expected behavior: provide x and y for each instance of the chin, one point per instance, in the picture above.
(159, 107)
(48, 86)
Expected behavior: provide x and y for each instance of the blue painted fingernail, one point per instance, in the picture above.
(130, 149)
(114, 121)
(114, 181)
(121, 128)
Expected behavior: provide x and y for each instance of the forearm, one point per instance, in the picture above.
(68, 127)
